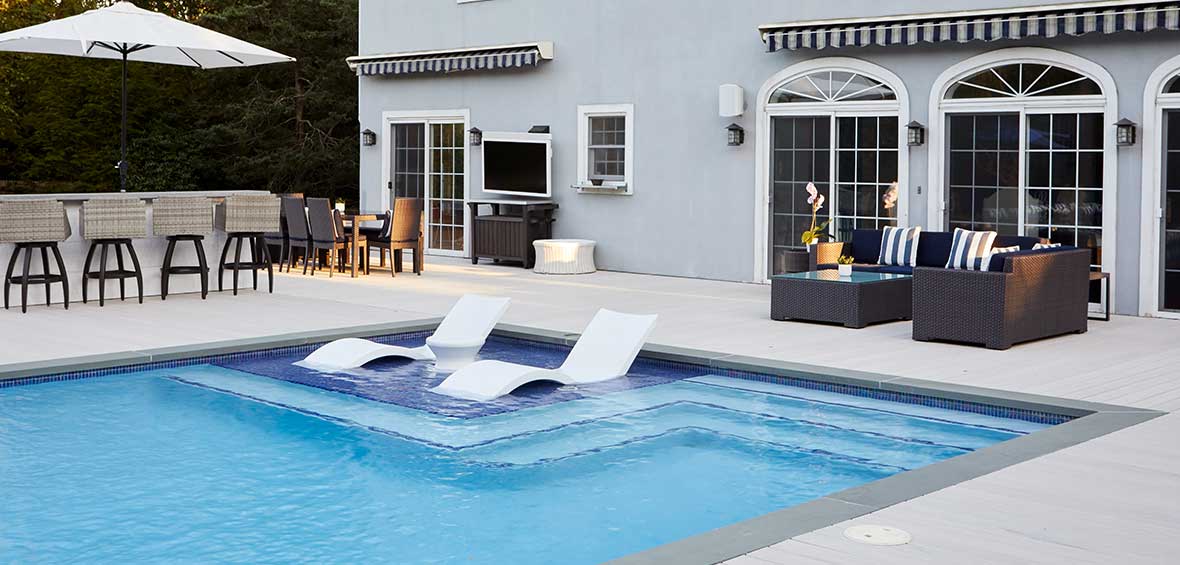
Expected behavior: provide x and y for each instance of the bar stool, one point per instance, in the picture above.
(249, 217)
(114, 223)
(183, 218)
(40, 225)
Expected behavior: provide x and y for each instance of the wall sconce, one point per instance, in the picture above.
(1124, 135)
(915, 134)
(736, 135)
(368, 138)
(476, 137)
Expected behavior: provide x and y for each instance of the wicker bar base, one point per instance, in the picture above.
(855, 305)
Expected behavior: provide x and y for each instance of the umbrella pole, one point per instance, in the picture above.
(123, 132)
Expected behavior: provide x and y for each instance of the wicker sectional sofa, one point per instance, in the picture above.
(1025, 295)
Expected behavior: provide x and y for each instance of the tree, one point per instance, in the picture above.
(284, 128)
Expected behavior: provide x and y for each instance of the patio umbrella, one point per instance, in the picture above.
(127, 32)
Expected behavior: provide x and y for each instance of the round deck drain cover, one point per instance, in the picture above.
(877, 535)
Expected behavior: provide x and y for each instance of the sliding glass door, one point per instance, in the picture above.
(1033, 173)
(863, 161)
(427, 160)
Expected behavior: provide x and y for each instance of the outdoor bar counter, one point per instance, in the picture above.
(150, 250)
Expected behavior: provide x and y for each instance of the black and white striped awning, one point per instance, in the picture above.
(453, 60)
(1052, 20)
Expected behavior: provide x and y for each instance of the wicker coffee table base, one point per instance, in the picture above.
(855, 305)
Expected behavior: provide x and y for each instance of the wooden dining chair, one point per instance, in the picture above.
(324, 236)
(401, 229)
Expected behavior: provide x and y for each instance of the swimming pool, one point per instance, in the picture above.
(247, 458)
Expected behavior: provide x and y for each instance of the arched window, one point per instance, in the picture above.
(840, 130)
(1023, 79)
(1019, 164)
(1172, 86)
(832, 86)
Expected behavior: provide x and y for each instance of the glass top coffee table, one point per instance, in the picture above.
(856, 301)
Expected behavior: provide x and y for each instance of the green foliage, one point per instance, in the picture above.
(284, 127)
(845, 260)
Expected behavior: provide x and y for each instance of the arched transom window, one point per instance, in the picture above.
(1018, 162)
(840, 131)
(1023, 80)
(832, 86)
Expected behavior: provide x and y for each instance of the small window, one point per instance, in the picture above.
(605, 143)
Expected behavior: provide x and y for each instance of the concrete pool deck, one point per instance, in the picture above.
(1114, 497)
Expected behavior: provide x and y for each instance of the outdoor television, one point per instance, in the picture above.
(517, 164)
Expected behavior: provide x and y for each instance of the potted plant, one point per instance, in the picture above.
(340, 205)
(844, 265)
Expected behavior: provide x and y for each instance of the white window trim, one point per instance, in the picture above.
(899, 107)
(587, 111)
(1151, 139)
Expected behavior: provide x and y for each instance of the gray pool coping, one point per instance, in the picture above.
(1091, 420)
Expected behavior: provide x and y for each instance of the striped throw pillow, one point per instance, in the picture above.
(1046, 245)
(997, 251)
(970, 250)
(899, 246)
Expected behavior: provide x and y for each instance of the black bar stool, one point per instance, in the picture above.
(35, 225)
(248, 217)
(187, 219)
(113, 223)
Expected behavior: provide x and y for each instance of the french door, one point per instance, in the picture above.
(1036, 173)
(428, 160)
(1169, 299)
(853, 162)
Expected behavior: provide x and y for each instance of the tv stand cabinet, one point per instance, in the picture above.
(508, 232)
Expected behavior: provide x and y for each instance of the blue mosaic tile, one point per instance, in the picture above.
(406, 383)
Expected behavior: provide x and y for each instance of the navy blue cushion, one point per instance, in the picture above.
(1023, 242)
(893, 269)
(934, 248)
(866, 246)
(997, 260)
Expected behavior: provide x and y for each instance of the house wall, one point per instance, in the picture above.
(693, 208)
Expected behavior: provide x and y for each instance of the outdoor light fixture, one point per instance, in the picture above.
(1124, 135)
(736, 134)
(915, 134)
(476, 136)
(368, 138)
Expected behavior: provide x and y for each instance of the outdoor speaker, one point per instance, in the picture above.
(731, 101)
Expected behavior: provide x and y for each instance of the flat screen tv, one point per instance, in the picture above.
(516, 164)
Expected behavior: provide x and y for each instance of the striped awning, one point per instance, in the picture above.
(453, 60)
(1052, 20)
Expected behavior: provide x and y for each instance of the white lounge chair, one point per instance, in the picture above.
(454, 343)
(605, 351)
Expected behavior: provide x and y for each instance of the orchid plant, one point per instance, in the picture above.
(816, 201)
(889, 200)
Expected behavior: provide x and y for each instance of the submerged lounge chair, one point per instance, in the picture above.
(605, 351)
(454, 344)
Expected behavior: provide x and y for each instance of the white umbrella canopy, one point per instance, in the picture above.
(126, 32)
(145, 36)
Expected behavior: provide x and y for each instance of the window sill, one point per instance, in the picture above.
(604, 188)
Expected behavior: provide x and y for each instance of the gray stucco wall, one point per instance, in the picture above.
(692, 213)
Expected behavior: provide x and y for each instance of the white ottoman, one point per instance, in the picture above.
(564, 256)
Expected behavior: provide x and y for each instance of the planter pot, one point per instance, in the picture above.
(844, 270)
(793, 261)
(340, 206)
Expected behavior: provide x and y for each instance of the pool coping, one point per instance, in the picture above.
(1091, 420)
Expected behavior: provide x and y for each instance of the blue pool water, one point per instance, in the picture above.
(226, 463)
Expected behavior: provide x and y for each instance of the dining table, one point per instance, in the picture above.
(355, 218)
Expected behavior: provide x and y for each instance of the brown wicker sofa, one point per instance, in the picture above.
(1038, 294)
(1025, 295)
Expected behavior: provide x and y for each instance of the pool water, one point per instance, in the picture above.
(211, 463)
